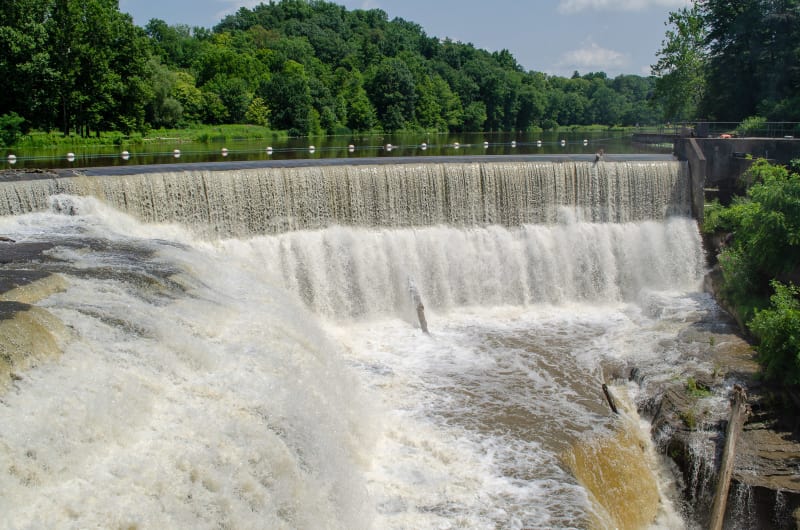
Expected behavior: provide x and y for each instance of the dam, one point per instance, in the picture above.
(238, 348)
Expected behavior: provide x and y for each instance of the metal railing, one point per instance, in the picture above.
(712, 129)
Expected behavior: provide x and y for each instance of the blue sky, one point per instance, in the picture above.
(552, 36)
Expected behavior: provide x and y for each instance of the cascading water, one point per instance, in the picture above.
(276, 377)
(274, 200)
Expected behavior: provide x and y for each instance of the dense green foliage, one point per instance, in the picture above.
(778, 330)
(306, 66)
(741, 58)
(764, 251)
(680, 70)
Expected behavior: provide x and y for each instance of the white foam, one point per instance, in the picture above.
(228, 402)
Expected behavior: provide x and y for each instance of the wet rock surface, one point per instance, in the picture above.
(689, 416)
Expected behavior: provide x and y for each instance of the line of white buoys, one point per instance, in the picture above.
(12, 159)
(70, 157)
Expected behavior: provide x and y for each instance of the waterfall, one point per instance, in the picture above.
(351, 272)
(240, 348)
(275, 200)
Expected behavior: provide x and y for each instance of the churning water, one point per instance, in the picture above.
(267, 378)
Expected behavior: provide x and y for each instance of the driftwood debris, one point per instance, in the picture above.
(610, 399)
(739, 412)
(423, 323)
(417, 300)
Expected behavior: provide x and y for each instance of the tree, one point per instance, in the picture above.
(289, 97)
(474, 116)
(359, 112)
(99, 62)
(189, 96)
(392, 89)
(26, 79)
(680, 70)
(234, 95)
(163, 110)
(257, 113)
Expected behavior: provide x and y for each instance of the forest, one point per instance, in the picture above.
(303, 66)
(313, 67)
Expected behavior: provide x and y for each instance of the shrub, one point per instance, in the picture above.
(10, 128)
(752, 126)
(778, 331)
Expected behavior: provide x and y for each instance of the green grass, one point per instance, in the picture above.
(695, 389)
(200, 133)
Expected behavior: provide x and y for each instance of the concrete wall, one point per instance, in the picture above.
(698, 169)
(720, 162)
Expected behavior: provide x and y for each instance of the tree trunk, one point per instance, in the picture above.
(739, 413)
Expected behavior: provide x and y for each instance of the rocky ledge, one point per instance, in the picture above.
(689, 417)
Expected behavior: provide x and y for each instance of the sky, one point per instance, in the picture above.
(557, 37)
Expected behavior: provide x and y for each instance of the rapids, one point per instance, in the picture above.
(278, 379)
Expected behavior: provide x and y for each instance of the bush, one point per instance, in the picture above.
(752, 126)
(10, 128)
(778, 331)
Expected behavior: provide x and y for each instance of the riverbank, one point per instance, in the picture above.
(689, 416)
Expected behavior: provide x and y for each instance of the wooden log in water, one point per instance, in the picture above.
(423, 323)
(610, 399)
(735, 422)
(417, 299)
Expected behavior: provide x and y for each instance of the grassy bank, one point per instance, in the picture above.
(199, 134)
(205, 134)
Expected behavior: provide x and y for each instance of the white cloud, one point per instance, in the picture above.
(234, 6)
(576, 6)
(593, 58)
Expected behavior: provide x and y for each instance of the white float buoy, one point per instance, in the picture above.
(485, 145)
(563, 142)
(269, 150)
(125, 155)
(388, 147)
(311, 148)
(538, 143)
(585, 141)
(351, 148)
(12, 159)
(423, 146)
(176, 153)
(224, 151)
(513, 143)
(70, 157)
(457, 145)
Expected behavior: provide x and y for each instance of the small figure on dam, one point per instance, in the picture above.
(599, 156)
